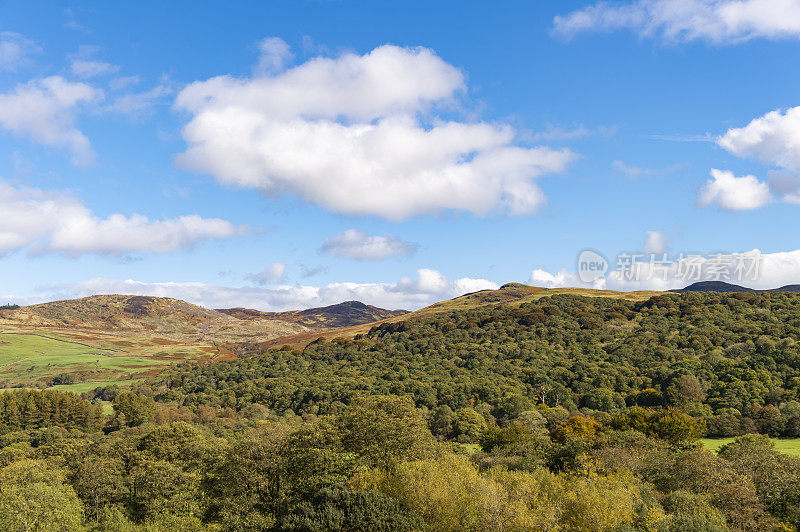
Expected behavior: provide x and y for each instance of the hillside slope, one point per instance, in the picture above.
(344, 314)
(511, 294)
(721, 286)
(143, 315)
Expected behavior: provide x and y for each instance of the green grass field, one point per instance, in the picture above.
(80, 387)
(784, 445)
(28, 358)
(16, 347)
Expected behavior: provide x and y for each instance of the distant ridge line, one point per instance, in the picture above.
(721, 286)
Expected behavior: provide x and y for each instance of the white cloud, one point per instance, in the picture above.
(467, 285)
(752, 269)
(359, 245)
(408, 294)
(123, 82)
(359, 134)
(716, 21)
(47, 221)
(772, 139)
(44, 111)
(634, 172)
(427, 282)
(274, 55)
(84, 64)
(734, 193)
(656, 243)
(272, 273)
(89, 68)
(786, 185)
(15, 50)
(546, 279)
(561, 279)
(136, 103)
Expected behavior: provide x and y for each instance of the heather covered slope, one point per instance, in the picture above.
(120, 312)
(143, 315)
(344, 314)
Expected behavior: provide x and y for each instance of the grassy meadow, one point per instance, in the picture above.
(785, 445)
(30, 357)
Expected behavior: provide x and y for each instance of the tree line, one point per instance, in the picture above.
(377, 465)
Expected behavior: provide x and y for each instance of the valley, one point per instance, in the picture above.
(98, 340)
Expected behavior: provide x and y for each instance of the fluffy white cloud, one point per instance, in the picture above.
(717, 21)
(562, 279)
(734, 193)
(429, 286)
(773, 139)
(359, 134)
(752, 269)
(427, 282)
(274, 272)
(656, 243)
(274, 54)
(44, 111)
(359, 245)
(55, 222)
(15, 50)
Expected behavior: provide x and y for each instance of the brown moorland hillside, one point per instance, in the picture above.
(143, 316)
(344, 314)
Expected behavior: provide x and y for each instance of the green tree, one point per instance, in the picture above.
(384, 430)
(338, 509)
(469, 424)
(134, 408)
(34, 497)
(442, 422)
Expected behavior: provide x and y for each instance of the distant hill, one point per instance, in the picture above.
(173, 318)
(788, 288)
(720, 286)
(344, 314)
(713, 286)
(145, 315)
(118, 311)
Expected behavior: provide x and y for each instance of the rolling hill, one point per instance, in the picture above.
(344, 314)
(122, 337)
(143, 316)
(721, 286)
(112, 338)
(513, 294)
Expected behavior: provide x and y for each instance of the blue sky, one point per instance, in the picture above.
(290, 154)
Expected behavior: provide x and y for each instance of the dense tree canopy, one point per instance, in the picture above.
(733, 359)
(566, 414)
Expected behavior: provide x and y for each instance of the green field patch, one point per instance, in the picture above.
(31, 357)
(15, 348)
(784, 445)
(81, 387)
